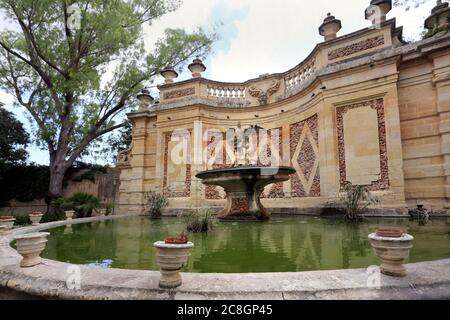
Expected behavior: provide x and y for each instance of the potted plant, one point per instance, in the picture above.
(392, 246)
(7, 222)
(172, 255)
(36, 217)
(30, 246)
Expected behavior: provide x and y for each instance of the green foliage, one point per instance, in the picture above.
(155, 202)
(13, 140)
(55, 68)
(200, 220)
(119, 142)
(23, 183)
(109, 208)
(22, 220)
(355, 200)
(83, 204)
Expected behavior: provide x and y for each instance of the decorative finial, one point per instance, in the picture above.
(197, 67)
(330, 27)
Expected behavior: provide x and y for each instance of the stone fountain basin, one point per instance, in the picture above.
(242, 178)
(243, 186)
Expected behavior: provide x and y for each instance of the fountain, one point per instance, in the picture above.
(245, 181)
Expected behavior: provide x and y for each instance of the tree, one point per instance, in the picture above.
(58, 62)
(13, 140)
(118, 143)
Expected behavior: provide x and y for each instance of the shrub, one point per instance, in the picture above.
(83, 204)
(22, 220)
(155, 202)
(355, 200)
(200, 220)
(109, 208)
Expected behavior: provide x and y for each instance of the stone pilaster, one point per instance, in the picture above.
(441, 80)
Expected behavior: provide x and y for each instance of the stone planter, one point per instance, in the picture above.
(393, 252)
(7, 222)
(36, 219)
(30, 246)
(102, 212)
(69, 214)
(171, 258)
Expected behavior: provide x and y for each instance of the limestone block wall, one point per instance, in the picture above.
(423, 113)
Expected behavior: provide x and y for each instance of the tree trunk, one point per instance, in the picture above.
(58, 170)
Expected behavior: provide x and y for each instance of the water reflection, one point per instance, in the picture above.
(282, 245)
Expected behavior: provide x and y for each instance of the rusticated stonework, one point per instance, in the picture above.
(378, 105)
(356, 47)
(304, 139)
(216, 157)
(239, 205)
(276, 190)
(179, 93)
(187, 184)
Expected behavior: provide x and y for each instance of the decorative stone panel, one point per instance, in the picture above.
(383, 182)
(273, 191)
(304, 140)
(179, 93)
(356, 47)
(167, 164)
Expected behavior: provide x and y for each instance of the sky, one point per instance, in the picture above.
(256, 36)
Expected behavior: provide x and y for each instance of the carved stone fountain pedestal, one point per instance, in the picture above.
(243, 186)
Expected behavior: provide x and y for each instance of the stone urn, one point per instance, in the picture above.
(36, 218)
(102, 212)
(171, 258)
(69, 214)
(393, 252)
(7, 222)
(30, 246)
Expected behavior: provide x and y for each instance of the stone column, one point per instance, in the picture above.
(286, 161)
(197, 147)
(441, 80)
(136, 200)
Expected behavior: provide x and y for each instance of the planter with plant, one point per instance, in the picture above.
(30, 246)
(36, 217)
(200, 220)
(155, 202)
(172, 255)
(392, 246)
(7, 222)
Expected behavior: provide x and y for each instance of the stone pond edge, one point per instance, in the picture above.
(425, 280)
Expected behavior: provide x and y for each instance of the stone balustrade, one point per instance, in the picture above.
(299, 75)
(226, 91)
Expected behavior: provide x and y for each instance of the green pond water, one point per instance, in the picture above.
(281, 245)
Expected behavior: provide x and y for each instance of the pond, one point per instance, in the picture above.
(282, 245)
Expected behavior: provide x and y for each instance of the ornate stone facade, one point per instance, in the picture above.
(361, 109)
